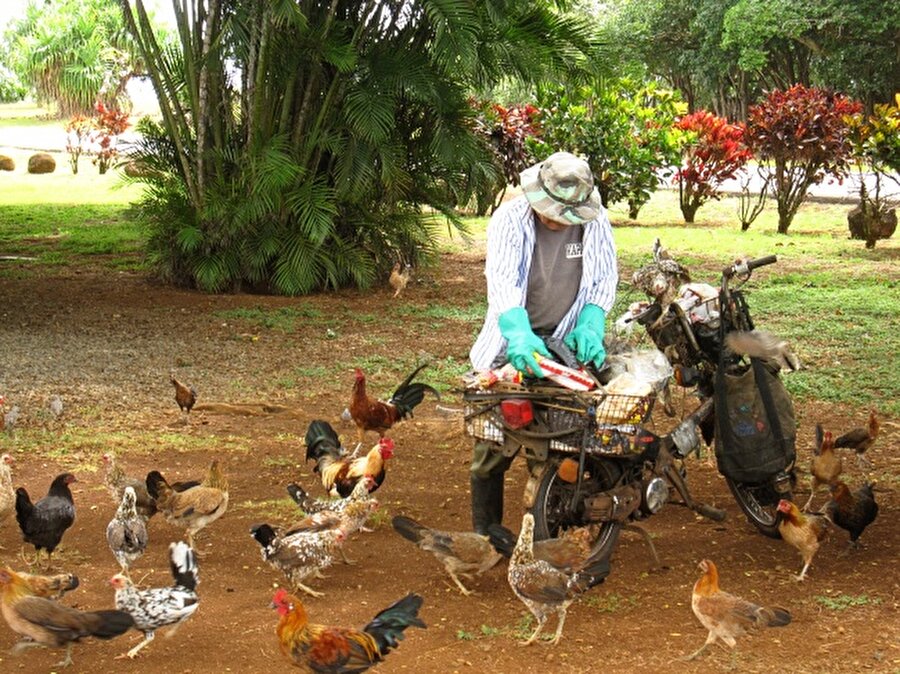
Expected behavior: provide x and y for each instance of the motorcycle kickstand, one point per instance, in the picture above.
(707, 511)
(657, 564)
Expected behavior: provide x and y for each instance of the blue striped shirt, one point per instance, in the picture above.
(510, 244)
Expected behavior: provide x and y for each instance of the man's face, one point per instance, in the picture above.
(552, 225)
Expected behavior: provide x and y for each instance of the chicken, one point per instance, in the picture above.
(299, 554)
(803, 532)
(312, 506)
(323, 648)
(185, 396)
(7, 494)
(399, 279)
(195, 508)
(55, 406)
(161, 606)
(543, 588)
(825, 466)
(461, 552)
(350, 518)
(726, 616)
(50, 587)
(116, 480)
(43, 622)
(852, 511)
(376, 415)
(860, 439)
(338, 472)
(10, 419)
(660, 280)
(126, 532)
(568, 553)
(44, 523)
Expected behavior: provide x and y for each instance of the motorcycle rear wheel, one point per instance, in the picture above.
(759, 505)
(551, 506)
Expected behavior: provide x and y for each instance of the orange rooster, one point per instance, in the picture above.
(803, 532)
(860, 439)
(185, 396)
(340, 473)
(323, 648)
(825, 466)
(370, 414)
(398, 279)
(727, 616)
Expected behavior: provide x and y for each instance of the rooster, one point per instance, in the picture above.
(854, 511)
(376, 415)
(340, 474)
(44, 523)
(727, 616)
(161, 606)
(115, 480)
(126, 532)
(860, 439)
(543, 588)
(825, 466)
(43, 622)
(461, 552)
(185, 396)
(803, 532)
(399, 279)
(324, 648)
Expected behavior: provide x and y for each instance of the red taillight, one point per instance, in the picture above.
(517, 413)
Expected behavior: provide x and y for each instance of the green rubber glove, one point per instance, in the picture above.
(587, 337)
(522, 342)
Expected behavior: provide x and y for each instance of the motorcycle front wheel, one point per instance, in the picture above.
(759, 504)
(553, 497)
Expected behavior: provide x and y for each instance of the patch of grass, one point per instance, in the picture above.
(610, 603)
(281, 509)
(842, 602)
(281, 319)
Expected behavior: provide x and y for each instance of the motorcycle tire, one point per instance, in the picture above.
(758, 503)
(550, 509)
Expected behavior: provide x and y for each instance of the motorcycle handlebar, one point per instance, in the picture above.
(746, 266)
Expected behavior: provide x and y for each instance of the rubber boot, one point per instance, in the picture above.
(487, 501)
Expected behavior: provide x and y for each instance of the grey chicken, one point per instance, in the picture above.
(10, 419)
(545, 589)
(126, 532)
(461, 552)
(161, 606)
(55, 406)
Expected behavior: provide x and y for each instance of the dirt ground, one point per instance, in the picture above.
(106, 342)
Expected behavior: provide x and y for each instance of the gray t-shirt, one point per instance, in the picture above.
(555, 275)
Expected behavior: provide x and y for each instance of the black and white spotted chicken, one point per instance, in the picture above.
(161, 606)
(299, 554)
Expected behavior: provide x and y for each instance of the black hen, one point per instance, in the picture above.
(44, 523)
(854, 511)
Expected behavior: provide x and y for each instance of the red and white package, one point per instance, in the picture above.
(576, 380)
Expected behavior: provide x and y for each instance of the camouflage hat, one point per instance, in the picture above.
(561, 188)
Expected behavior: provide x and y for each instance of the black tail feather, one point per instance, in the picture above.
(298, 494)
(154, 481)
(503, 540)
(321, 438)
(387, 627)
(109, 624)
(24, 507)
(409, 393)
(409, 528)
(183, 562)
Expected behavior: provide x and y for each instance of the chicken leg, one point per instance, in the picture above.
(561, 614)
(148, 637)
(540, 625)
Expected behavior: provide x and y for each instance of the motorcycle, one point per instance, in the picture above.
(593, 459)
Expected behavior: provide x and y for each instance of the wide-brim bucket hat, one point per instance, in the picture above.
(561, 188)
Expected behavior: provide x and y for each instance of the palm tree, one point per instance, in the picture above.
(306, 144)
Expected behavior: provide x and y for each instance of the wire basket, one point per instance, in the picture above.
(562, 420)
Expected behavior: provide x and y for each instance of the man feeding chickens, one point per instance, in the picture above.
(551, 272)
